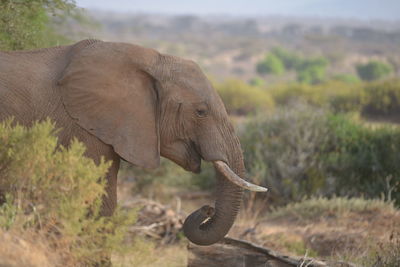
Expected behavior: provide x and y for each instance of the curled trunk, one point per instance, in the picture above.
(207, 225)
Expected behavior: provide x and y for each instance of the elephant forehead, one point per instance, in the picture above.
(187, 90)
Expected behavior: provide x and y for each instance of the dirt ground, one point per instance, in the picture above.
(348, 236)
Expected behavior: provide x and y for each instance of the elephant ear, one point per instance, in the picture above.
(114, 100)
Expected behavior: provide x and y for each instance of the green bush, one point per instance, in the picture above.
(282, 151)
(382, 98)
(286, 94)
(303, 151)
(344, 97)
(309, 70)
(312, 71)
(257, 82)
(347, 78)
(241, 98)
(169, 176)
(337, 95)
(373, 70)
(290, 60)
(363, 161)
(377, 98)
(56, 192)
(270, 65)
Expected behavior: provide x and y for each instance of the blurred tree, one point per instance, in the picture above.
(257, 81)
(271, 65)
(312, 71)
(373, 70)
(28, 24)
(241, 98)
(347, 78)
(290, 60)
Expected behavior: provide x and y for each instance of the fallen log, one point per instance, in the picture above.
(238, 253)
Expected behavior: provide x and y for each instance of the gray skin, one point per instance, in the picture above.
(128, 102)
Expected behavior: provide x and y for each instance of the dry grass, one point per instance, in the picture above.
(25, 249)
(147, 254)
(356, 230)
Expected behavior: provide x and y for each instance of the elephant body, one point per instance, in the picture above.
(29, 93)
(128, 102)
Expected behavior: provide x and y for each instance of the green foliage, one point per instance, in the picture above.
(240, 98)
(305, 151)
(257, 81)
(285, 94)
(373, 70)
(154, 182)
(169, 174)
(337, 95)
(382, 98)
(363, 161)
(52, 191)
(290, 60)
(312, 71)
(31, 24)
(309, 70)
(282, 151)
(270, 65)
(343, 97)
(347, 78)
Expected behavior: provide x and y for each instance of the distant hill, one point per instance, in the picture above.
(231, 46)
(359, 9)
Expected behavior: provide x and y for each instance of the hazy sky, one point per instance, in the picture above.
(362, 9)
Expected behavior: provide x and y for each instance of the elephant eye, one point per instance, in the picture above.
(201, 112)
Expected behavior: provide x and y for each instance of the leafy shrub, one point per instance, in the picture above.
(286, 94)
(382, 98)
(52, 191)
(344, 97)
(303, 151)
(282, 151)
(373, 70)
(312, 71)
(27, 24)
(339, 96)
(169, 175)
(347, 78)
(309, 70)
(290, 60)
(362, 160)
(270, 65)
(240, 98)
(257, 81)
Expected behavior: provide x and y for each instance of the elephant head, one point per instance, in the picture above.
(146, 105)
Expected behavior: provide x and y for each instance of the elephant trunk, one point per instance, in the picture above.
(207, 225)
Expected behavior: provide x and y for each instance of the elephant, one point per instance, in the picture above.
(128, 102)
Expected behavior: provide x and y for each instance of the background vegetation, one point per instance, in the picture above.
(318, 125)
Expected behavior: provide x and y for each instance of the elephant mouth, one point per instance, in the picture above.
(193, 163)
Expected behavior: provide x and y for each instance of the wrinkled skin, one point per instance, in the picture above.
(126, 101)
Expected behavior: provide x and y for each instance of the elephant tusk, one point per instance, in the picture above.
(234, 178)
